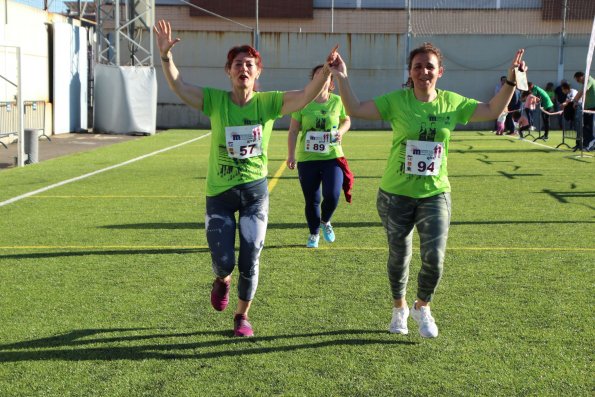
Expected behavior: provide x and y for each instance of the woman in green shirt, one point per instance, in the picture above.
(414, 190)
(318, 130)
(241, 124)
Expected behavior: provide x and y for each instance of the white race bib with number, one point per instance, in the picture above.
(244, 141)
(423, 157)
(318, 141)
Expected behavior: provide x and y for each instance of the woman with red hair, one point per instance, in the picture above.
(241, 123)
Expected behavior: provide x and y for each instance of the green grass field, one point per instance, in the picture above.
(105, 281)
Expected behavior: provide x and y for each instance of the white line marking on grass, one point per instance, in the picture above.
(276, 177)
(385, 248)
(550, 147)
(538, 144)
(78, 178)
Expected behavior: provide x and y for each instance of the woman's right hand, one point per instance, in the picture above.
(337, 66)
(290, 162)
(163, 34)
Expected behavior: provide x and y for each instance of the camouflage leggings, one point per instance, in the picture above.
(431, 216)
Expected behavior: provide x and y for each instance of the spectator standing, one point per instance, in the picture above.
(589, 100)
(560, 98)
(514, 104)
(529, 104)
(569, 112)
(546, 103)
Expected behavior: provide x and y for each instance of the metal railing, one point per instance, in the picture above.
(33, 117)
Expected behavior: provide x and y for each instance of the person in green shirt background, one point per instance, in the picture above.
(414, 190)
(241, 124)
(318, 130)
(546, 104)
(589, 104)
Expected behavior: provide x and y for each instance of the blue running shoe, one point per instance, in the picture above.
(327, 232)
(313, 241)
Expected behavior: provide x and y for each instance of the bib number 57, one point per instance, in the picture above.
(249, 149)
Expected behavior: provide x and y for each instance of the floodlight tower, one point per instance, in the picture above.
(124, 22)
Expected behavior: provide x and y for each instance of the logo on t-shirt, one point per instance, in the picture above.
(252, 122)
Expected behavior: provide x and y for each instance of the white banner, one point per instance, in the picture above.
(70, 78)
(125, 99)
(589, 59)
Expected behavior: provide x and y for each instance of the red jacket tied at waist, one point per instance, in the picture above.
(348, 178)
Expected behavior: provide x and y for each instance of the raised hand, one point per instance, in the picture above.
(517, 61)
(163, 34)
(332, 56)
(338, 67)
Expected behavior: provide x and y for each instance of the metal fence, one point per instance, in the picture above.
(33, 117)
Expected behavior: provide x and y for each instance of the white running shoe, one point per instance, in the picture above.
(423, 317)
(398, 324)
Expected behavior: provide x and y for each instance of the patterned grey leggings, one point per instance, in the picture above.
(431, 216)
(252, 202)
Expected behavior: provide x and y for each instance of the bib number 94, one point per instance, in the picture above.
(422, 166)
(423, 158)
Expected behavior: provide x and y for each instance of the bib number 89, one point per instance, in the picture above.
(318, 147)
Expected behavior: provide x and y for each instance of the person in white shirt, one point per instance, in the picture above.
(570, 112)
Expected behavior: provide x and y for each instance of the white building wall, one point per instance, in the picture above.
(473, 64)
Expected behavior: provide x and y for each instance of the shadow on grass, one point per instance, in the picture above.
(62, 253)
(71, 346)
(201, 225)
(562, 197)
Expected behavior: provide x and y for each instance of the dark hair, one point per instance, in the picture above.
(565, 86)
(531, 85)
(234, 51)
(516, 115)
(549, 86)
(314, 70)
(425, 48)
(579, 74)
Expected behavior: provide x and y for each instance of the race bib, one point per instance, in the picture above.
(319, 141)
(423, 157)
(244, 141)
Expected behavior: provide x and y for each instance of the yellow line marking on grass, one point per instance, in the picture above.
(78, 178)
(336, 248)
(275, 178)
(102, 247)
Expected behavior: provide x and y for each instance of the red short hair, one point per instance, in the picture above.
(234, 51)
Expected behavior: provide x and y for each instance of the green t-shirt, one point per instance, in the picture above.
(539, 92)
(411, 119)
(225, 172)
(590, 94)
(319, 117)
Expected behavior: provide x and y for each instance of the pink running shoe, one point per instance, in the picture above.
(220, 294)
(241, 326)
